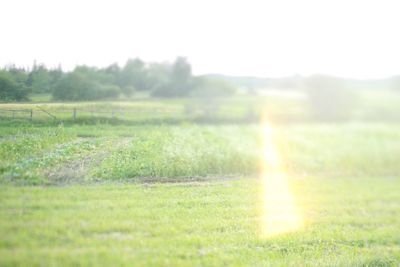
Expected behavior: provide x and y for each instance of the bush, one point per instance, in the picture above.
(171, 89)
(76, 86)
(128, 90)
(109, 91)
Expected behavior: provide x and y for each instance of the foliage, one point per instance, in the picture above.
(128, 90)
(180, 82)
(39, 79)
(12, 89)
(90, 83)
(78, 85)
(158, 74)
(133, 75)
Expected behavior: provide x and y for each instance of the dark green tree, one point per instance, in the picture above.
(10, 89)
(55, 75)
(84, 84)
(180, 82)
(39, 79)
(134, 74)
(181, 72)
(158, 74)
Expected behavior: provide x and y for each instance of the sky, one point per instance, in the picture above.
(354, 39)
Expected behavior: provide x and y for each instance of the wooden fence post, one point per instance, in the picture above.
(31, 117)
(74, 114)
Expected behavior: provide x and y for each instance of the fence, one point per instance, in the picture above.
(141, 114)
(17, 114)
(59, 114)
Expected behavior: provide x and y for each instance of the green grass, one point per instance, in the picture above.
(350, 222)
(184, 151)
(160, 189)
(40, 98)
(329, 150)
(359, 149)
(368, 105)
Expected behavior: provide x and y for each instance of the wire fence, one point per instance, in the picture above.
(141, 114)
(135, 115)
(17, 114)
(60, 114)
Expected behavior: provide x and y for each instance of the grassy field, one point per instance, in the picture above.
(350, 222)
(165, 189)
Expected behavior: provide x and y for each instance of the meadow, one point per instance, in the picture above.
(171, 184)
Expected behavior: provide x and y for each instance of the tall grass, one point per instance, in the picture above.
(200, 150)
(183, 151)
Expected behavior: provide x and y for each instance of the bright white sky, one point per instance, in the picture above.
(350, 38)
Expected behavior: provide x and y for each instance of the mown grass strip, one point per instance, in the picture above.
(208, 224)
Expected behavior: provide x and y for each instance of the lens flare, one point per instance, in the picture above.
(279, 211)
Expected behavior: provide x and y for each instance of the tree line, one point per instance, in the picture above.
(91, 83)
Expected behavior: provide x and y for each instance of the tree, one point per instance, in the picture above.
(158, 74)
(180, 82)
(55, 75)
(39, 79)
(134, 75)
(11, 90)
(112, 73)
(81, 84)
(74, 86)
(19, 75)
(181, 71)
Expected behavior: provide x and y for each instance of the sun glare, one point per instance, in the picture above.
(279, 211)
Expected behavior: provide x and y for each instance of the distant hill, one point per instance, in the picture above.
(246, 82)
(295, 81)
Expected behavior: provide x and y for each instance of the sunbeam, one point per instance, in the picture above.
(279, 211)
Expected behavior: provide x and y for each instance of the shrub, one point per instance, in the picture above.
(77, 86)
